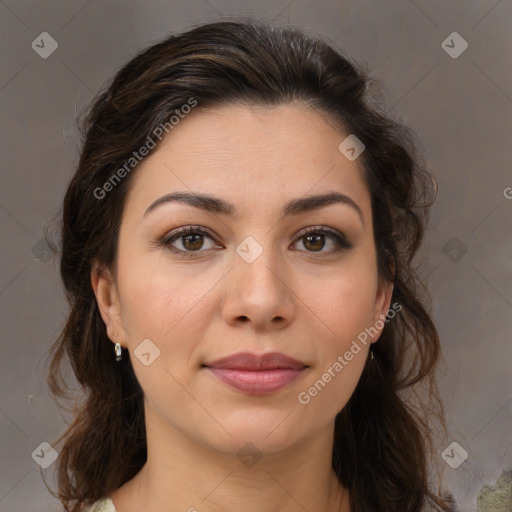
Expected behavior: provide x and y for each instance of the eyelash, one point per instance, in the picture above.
(339, 239)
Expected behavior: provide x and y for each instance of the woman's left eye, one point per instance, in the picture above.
(315, 237)
(191, 240)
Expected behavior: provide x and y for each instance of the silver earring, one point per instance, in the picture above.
(371, 353)
(118, 352)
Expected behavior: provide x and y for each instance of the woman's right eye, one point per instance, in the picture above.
(190, 238)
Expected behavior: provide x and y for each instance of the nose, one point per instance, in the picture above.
(259, 294)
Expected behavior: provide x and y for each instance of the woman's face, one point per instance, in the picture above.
(253, 283)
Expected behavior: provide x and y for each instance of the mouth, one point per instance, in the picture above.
(257, 374)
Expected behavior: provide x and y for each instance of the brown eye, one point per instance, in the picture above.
(192, 242)
(191, 239)
(314, 240)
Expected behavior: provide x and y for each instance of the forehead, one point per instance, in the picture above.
(268, 154)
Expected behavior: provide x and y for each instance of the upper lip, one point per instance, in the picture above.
(249, 361)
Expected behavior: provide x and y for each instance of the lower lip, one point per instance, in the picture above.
(257, 382)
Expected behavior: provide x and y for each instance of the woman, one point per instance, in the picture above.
(246, 322)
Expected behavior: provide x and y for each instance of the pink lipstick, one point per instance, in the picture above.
(257, 375)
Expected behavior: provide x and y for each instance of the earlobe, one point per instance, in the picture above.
(105, 291)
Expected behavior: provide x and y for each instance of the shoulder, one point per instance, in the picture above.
(104, 505)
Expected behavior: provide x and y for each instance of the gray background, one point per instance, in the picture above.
(460, 108)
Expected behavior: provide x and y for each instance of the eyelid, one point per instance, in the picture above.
(167, 238)
(341, 242)
(339, 237)
(190, 228)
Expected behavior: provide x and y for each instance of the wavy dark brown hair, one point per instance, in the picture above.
(383, 451)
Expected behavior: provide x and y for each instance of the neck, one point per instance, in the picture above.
(193, 477)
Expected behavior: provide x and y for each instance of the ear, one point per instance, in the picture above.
(107, 298)
(381, 307)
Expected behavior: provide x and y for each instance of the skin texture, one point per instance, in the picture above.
(304, 300)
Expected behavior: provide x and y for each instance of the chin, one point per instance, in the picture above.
(267, 433)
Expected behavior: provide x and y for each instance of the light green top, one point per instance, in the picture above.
(104, 505)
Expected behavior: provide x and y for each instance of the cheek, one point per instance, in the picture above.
(328, 391)
(345, 310)
(342, 312)
(151, 298)
(168, 311)
(149, 305)
(166, 305)
(344, 303)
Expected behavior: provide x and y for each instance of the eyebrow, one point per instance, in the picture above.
(295, 207)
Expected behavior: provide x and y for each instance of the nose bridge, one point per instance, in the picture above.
(258, 262)
(259, 291)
